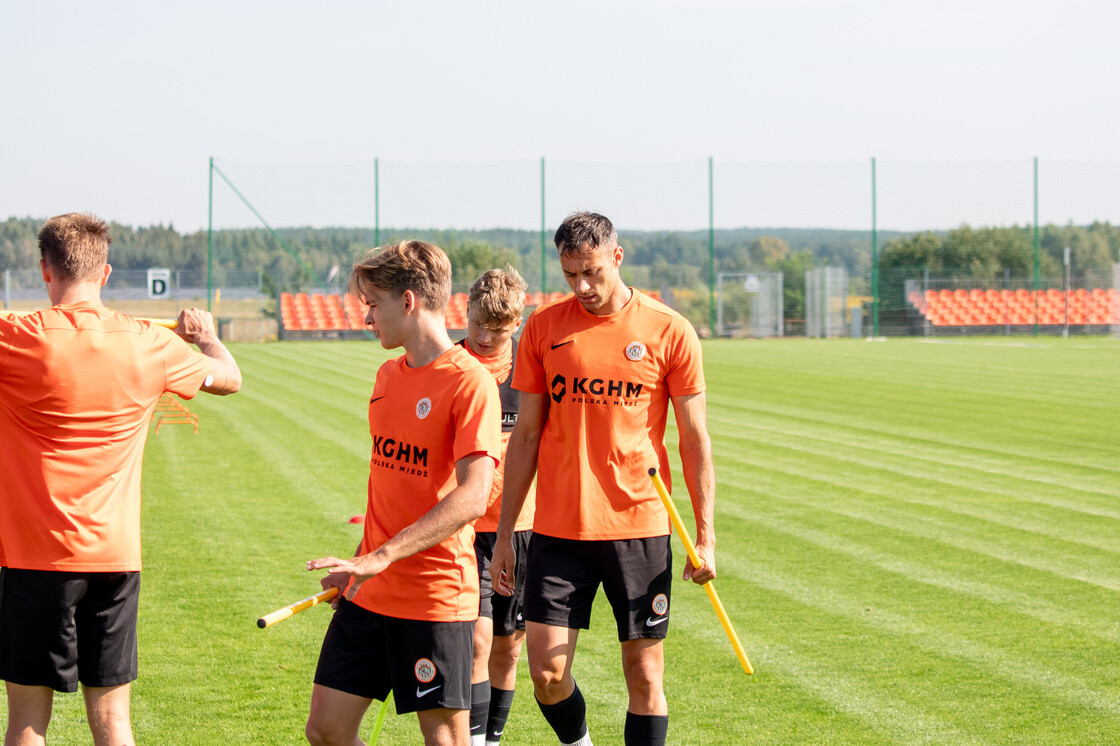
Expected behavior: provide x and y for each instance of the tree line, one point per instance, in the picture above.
(301, 258)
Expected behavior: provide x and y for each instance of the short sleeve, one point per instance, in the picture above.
(185, 369)
(478, 417)
(528, 372)
(685, 375)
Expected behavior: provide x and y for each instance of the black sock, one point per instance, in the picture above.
(480, 706)
(645, 730)
(568, 718)
(500, 702)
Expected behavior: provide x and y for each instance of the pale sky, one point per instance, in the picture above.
(116, 107)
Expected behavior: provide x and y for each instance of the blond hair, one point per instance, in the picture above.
(498, 296)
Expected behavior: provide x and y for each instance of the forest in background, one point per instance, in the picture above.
(301, 258)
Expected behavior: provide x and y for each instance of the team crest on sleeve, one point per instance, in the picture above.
(425, 670)
(635, 351)
(423, 408)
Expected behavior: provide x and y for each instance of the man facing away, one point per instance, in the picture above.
(494, 307)
(410, 594)
(78, 384)
(596, 372)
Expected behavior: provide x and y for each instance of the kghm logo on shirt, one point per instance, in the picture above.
(390, 453)
(595, 391)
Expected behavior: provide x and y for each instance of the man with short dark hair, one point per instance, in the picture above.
(78, 384)
(596, 372)
(410, 594)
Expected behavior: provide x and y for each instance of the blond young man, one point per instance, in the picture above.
(494, 308)
(78, 384)
(597, 372)
(410, 594)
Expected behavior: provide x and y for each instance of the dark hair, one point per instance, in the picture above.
(585, 232)
(75, 244)
(420, 267)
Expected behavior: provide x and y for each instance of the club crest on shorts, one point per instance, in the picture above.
(425, 670)
(423, 408)
(635, 351)
(660, 604)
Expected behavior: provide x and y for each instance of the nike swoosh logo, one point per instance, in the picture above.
(425, 692)
(654, 622)
(498, 733)
(376, 398)
(563, 343)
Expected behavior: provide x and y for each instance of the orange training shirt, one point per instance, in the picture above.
(422, 421)
(501, 366)
(608, 380)
(78, 384)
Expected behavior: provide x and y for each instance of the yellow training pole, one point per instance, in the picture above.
(697, 563)
(169, 323)
(291, 609)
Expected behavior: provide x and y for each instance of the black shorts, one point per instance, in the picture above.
(506, 611)
(61, 628)
(427, 665)
(564, 575)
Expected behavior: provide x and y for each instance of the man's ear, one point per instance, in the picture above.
(46, 270)
(108, 271)
(410, 301)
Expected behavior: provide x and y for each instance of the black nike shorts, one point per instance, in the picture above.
(61, 628)
(427, 665)
(563, 576)
(506, 611)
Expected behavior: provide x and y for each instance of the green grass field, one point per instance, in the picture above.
(918, 543)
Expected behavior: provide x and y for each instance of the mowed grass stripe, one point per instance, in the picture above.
(1088, 445)
(984, 457)
(947, 487)
(1087, 609)
(849, 558)
(892, 629)
(221, 551)
(843, 389)
(888, 506)
(903, 615)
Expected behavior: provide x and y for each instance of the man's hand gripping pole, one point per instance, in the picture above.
(697, 563)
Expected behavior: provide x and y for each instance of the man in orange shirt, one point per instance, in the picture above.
(596, 373)
(78, 384)
(410, 594)
(494, 308)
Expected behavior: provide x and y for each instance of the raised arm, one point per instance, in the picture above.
(462, 505)
(520, 468)
(699, 479)
(197, 327)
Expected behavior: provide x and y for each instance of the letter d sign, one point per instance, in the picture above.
(159, 283)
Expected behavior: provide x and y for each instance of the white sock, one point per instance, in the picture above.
(585, 741)
(478, 740)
